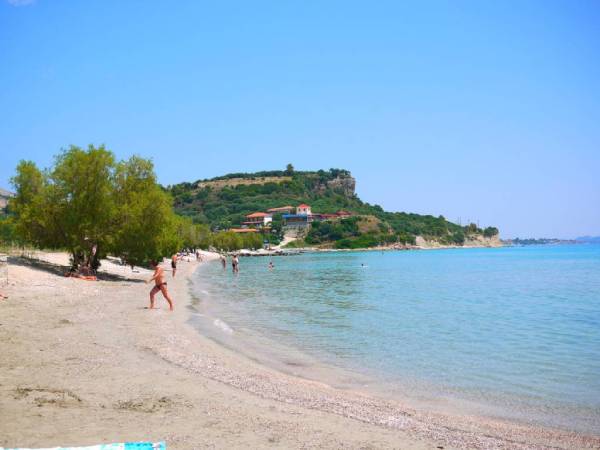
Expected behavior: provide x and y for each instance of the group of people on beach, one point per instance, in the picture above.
(160, 285)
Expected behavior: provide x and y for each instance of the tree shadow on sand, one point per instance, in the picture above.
(60, 270)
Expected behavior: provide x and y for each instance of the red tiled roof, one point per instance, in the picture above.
(303, 206)
(257, 214)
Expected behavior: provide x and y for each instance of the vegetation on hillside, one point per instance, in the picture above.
(227, 206)
(88, 200)
(348, 233)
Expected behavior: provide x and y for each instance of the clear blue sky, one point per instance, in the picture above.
(487, 111)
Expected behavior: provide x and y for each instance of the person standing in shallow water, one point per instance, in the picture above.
(159, 285)
(174, 264)
(223, 262)
(235, 264)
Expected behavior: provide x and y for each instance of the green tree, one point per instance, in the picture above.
(147, 227)
(227, 240)
(82, 188)
(27, 204)
(472, 229)
(490, 232)
(8, 233)
(252, 241)
(458, 237)
(193, 235)
(204, 236)
(289, 170)
(91, 205)
(277, 226)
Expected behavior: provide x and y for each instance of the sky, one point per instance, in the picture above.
(479, 111)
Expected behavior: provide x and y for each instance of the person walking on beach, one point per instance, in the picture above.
(223, 262)
(235, 264)
(159, 285)
(174, 264)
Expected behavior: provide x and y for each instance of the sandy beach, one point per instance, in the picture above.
(83, 362)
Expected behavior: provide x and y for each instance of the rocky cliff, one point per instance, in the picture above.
(4, 196)
(476, 240)
(343, 184)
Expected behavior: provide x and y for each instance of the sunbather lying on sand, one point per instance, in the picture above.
(80, 276)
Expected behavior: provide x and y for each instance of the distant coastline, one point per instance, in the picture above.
(516, 242)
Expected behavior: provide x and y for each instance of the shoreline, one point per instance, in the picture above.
(227, 326)
(211, 321)
(292, 251)
(73, 347)
(424, 245)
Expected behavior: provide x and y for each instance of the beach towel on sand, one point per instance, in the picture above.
(120, 446)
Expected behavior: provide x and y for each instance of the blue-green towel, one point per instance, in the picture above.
(119, 446)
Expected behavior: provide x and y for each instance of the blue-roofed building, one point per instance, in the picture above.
(296, 220)
(302, 218)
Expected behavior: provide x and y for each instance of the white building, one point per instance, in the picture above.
(303, 210)
(258, 219)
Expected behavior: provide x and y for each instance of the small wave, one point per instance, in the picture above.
(223, 326)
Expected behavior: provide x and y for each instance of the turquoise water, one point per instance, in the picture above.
(511, 333)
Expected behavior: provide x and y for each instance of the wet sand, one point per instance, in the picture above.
(84, 363)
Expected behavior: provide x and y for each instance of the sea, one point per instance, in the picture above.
(509, 333)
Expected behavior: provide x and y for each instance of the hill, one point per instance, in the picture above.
(4, 197)
(223, 202)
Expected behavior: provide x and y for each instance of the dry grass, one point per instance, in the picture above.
(232, 182)
(369, 224)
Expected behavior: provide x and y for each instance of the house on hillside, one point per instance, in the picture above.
(281, 210)
(303, 209)
(343, 213)
(258, 220)
(302, 218)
